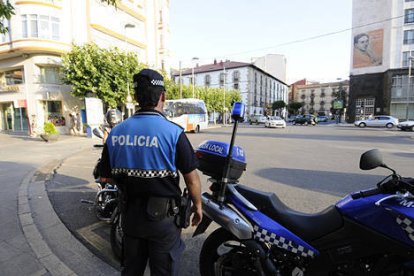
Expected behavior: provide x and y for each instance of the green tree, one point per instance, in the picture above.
(277, 105)
(213, 97)
(102, 73)
(7, 10)
(293, 107)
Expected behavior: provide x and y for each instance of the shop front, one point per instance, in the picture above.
(13, 116)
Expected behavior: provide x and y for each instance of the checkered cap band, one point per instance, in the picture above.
(264, 235)
(407, 225)
(157, 82)
(144, 173)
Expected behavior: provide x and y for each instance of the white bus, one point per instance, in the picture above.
(190, 114)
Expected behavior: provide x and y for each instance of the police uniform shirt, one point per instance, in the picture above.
(145, 152)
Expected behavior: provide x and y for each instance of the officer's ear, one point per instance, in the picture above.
(163, 97)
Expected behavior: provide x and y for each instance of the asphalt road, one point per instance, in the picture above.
(309, 168)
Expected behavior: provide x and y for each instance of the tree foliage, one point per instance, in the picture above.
(213, 97)
(7, 10)
(293, 107)
(278, 105)
(102, 73)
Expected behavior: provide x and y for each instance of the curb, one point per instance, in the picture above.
(44, 254)
(55, 247)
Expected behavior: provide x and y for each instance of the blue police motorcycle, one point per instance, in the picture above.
(368, 232)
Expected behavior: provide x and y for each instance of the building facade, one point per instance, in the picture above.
(319, 98)
(383, 42)
(31, 92)
(258, 89)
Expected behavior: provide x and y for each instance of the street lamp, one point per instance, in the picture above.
(224, 93)
(128, 98)
(410, 60)
(193, 81)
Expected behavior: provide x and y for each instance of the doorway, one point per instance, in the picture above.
(13, 119)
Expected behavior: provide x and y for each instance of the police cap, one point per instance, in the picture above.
(148, 86)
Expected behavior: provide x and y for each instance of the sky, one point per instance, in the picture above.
(313, 35)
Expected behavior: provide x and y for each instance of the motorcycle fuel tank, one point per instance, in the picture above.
(393, 217)
(212, 156)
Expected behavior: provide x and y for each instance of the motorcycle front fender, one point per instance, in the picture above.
(225, 216)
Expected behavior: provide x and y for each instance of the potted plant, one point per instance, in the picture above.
(50, 133)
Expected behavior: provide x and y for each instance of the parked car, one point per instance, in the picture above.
(257, 119)
(407, 125)
(378, 121)
(291, 118)
(305, 120)
(275, 121)
(323, 118)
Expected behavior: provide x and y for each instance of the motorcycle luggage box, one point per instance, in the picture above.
(212, 156)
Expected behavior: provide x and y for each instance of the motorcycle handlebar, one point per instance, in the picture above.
(366, 193)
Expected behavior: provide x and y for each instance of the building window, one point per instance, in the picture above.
(41, 26)
(14, 77)
(409, 16)
(5, 23)
(207, 80)
(222, 79)
(50, 74)
(53, 112)
(236, 86)
(405, 57)
(409, 37)
(236, 76)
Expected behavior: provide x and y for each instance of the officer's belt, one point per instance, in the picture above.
(158, 208)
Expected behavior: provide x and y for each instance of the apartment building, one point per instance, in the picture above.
(383, 44)
(42, 30)
(319, 98)
(258, 88)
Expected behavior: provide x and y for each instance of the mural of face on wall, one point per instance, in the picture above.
(368, 48)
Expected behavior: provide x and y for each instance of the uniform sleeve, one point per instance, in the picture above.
(185, 159)
(105, 165)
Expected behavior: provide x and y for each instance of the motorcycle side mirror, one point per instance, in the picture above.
(237, 113)
(98, 133)
(371, 159)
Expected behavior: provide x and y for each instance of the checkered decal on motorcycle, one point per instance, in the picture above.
(407, 225)
(265, 236)
(144, 173)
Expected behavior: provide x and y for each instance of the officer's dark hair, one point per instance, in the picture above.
(146, 93)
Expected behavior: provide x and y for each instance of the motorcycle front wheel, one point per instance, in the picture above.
(224, 254)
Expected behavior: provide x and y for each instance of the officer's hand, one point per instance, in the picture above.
(197, 216)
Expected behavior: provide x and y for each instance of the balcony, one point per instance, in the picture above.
(22, 46)
(10, 88)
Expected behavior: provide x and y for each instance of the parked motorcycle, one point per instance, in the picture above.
(106, 199)
(369, 232)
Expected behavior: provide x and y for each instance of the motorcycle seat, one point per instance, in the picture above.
(307, 226)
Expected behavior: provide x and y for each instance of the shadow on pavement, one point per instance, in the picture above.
(65, 194)
(337, 184)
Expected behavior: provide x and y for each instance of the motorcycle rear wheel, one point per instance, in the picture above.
(224, 254)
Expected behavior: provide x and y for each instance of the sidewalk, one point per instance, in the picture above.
(33, 239)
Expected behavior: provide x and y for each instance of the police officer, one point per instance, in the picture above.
(143, 155)
(112, 117)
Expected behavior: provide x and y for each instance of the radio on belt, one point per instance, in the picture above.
(212, 155)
